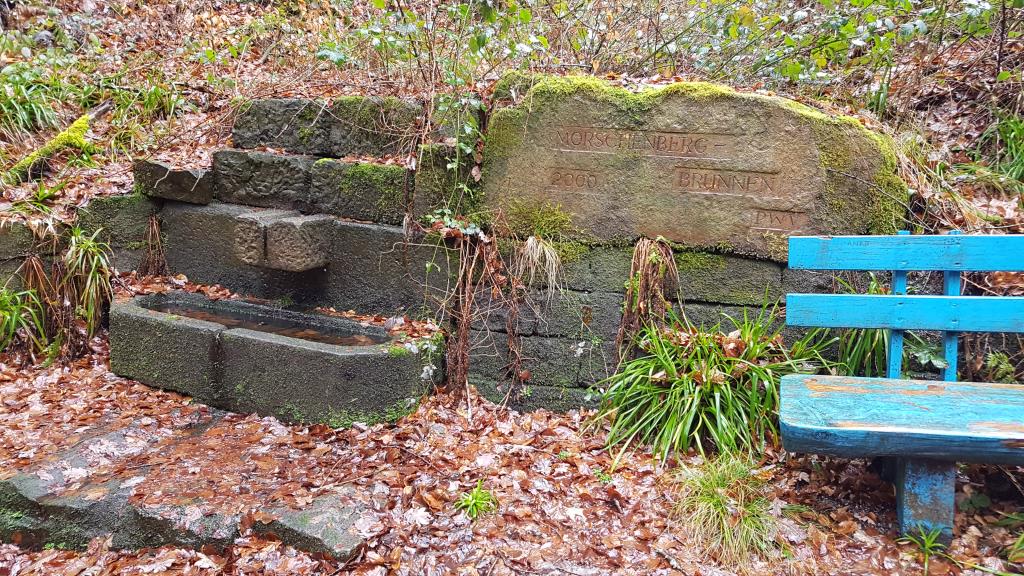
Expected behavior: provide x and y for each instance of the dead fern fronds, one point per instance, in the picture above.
(653, 277)
(154, 263)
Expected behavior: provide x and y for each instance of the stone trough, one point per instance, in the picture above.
(248, 357)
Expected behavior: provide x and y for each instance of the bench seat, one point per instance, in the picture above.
(867, 417)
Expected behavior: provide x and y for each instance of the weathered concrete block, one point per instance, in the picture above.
(164, 350)
(569, 314)
(696, 163)
(358, 190)
(374, 126)
(325, 526)
(560, 362)
(537, 396)
(16, 240)
(598, 269)
(262, 179)
(271, 374)
(124, 220)
(363, 375)
(350, 125)
(706, 277)
(292, 124)
(297, 243)
(370, 268)
(250, 238)
(161, 180)
(439, 184)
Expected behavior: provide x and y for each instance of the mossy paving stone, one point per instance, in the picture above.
(698, 164)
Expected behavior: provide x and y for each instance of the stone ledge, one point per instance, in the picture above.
(161, 180)
(350, 125)
(262, 179)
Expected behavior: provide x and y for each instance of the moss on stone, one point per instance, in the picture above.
(73, 137)
(688, 261)
(341, 418)
(398, 351)
(837, 140)
(384, 181)
(546, 220)
(124, 219)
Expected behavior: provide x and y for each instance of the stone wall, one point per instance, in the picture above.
(289, 215)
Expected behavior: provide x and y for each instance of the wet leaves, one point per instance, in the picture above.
(558, 512)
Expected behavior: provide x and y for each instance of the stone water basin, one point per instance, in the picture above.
(247, 357)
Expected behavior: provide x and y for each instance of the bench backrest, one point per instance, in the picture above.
(949, 313)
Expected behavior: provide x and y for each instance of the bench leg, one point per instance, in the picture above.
(924, 495)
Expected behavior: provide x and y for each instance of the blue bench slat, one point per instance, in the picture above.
(865, 417)
(957, 253)
(955, 313)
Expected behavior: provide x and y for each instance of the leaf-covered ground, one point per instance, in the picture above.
(563, 507)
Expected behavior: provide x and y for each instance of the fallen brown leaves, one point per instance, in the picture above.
(558, 511)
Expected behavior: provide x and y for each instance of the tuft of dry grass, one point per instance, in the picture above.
(723, 507)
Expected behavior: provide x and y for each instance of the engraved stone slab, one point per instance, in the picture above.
(696, 163)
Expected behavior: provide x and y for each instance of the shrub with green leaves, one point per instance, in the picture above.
(723, 506)
(691, 388)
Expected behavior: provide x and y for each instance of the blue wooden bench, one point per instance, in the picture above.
(925, 426)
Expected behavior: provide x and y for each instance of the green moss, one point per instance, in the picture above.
(689, 261)
(843, 143)
(398, 351)
(383, 181)
(633, 107)
(346, 418)
(124, 219)
(570, 251)
(547, 220)
(73, 137)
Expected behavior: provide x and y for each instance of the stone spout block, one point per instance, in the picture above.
(282, 240)
(298, 243)
(161, 180)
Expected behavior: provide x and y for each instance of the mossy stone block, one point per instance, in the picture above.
(359, 190)
(16, 240)
(726, 279)
(698, 164)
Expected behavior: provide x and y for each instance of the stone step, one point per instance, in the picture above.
(161, 180)
(351, 125)
(91, 489)
(357, 190)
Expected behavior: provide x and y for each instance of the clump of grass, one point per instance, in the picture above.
(477, 501)
(927, 543)
(862, 351)
(21, 319)
(87, 277)
(1005, 137)
(723, 506)
(690, 388)
(27, 101)
(537, 263)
